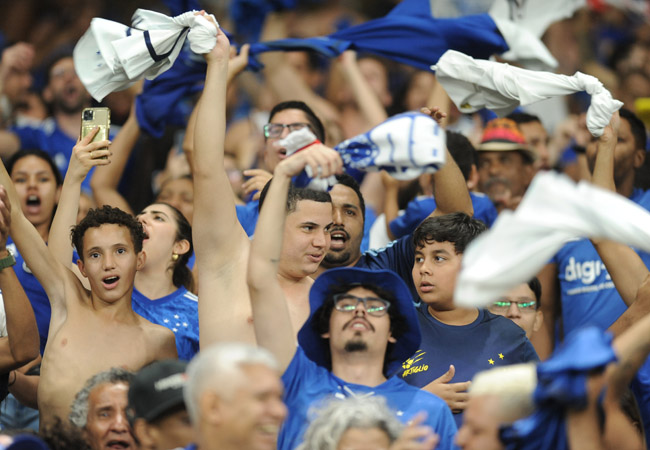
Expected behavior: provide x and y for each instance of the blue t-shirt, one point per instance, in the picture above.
(490, 341)
(420, 208)
(35, 293)
(178, 311)
(587, 292)
(47, 136)
(309, 385)
(397, 256)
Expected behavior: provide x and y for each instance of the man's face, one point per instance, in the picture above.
(110, 261)
(522, 309)
(253, 414)
(480, 430)
(347, 228)
(36, 186)
(173, 430)
(107, 427)
(306, 238)
(537, 139)
(507, 165)
(434, 274)
(358, 331)
(65, 90)
(364, 439)
(626, 157)
(273, 154)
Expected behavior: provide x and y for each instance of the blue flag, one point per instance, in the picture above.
(408, 34)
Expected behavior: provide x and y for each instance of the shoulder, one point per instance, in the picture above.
(502, 323)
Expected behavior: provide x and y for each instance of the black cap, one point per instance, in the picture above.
(157, 389)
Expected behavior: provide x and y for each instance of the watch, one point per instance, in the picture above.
(7, 261)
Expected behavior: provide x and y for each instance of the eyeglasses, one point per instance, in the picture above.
(348, 303)
(504, 305)
(274, 130)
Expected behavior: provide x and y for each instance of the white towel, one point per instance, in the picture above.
(476, 84)
(110, 56)
(553, 211)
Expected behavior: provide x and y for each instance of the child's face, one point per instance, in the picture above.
(434, 274)
(110, 261)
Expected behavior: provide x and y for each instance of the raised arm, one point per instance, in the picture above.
(22, 342)
(450, 190)
(623, 264)
(49, 272)
(271, 319)
(105, 179)
(85, 155)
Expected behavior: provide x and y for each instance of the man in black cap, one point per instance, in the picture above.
(156, 406)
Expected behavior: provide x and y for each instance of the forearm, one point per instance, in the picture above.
(21, 324)
(391, 206)
(624, 266)
(367, 101)
(25, 388)
(60, 245)
(603, 174)
(450, 190)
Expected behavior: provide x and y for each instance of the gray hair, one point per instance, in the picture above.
(219, 368)
(337, 416)
(79, 409)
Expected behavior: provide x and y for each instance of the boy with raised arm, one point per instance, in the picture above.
(94, 330)
(361, 324)
(220, 242)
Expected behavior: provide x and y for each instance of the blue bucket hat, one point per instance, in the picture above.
(317, 348)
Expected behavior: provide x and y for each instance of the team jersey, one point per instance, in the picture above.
(178, 311)
(490, 341)
(308, 385)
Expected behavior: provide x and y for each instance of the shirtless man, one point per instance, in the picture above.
(220, 242)
(90, 331)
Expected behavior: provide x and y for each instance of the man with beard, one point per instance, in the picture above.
(56, 135)
(361, 325)
(505, 163)
(348, 206)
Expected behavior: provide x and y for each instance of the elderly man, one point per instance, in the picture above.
(234, 397)
(99, 409)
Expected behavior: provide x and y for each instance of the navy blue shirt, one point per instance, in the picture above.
(490, 341)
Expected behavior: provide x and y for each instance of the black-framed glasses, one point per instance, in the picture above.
(504, 305)
(348, 303)
(274, 130)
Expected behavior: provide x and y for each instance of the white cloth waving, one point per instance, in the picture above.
(110, 56)
(553, 211)
(476, 84)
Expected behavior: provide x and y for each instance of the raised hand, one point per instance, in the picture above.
(322, 160)
(435, 113)
(87, 154)
(259, 178)
(454, 394)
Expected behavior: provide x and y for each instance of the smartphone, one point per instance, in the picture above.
(96, 117)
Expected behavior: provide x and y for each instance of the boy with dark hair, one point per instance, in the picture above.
(455, 341)
(90, 330)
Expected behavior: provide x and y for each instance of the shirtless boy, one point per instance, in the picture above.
(221, 244)
(90, 331)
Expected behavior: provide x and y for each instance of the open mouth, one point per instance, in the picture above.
(317, 258)
(338, 239)
(359, 325)
(118, 444)
(33, 200)
(425, 286)
(111, 281)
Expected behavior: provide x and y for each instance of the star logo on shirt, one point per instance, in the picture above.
(491, 361)
(501, 356)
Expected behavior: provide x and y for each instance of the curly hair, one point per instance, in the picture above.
(107, 215)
